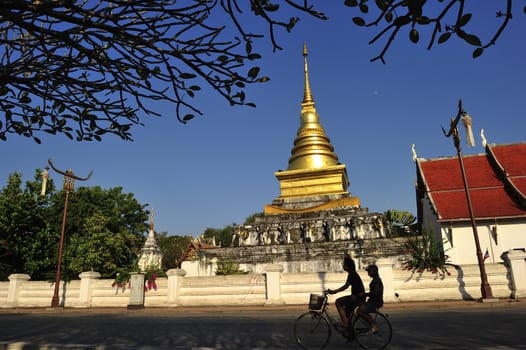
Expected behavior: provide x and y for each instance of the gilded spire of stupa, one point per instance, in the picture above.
(307, 96)
(312, 148)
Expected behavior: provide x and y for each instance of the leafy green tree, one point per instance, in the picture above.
(104, 229)
(252, 218)
(172, 248)
(121, 217)
(5, 269)
(223, 237)
(124, 212)
(99, 249)
(85, 69)
(24, 230)
(400, 222)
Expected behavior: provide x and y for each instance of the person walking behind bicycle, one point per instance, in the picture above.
(376, 297)
(346, 304)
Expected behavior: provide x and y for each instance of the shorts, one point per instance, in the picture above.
(370, 307)
(350, 302)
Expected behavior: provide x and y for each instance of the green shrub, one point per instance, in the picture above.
(228, 268)
(425, 254)
(122, 279)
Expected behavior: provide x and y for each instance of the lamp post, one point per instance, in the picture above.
(69, 184)
(485, 288)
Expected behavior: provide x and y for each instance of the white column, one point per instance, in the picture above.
(136, 291)
(175, 280)
(517, 261)
(15, 282)
(385, 270)
(273, 284)
(87, 280)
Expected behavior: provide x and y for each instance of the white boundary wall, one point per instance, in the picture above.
(273, 287)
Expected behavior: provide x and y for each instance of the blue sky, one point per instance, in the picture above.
(219, 168)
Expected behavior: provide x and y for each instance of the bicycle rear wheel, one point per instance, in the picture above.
(368, 340)
(312, 330)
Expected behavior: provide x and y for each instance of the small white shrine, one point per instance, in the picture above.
(151, 256)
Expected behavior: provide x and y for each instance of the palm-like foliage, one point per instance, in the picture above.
(425, 254)
(400, 222)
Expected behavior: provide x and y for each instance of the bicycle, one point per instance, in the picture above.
(312, 329)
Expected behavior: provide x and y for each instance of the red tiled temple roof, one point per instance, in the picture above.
(496, 181)
(512, 159)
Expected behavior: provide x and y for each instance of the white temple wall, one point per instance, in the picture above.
(458, 239)
(273, 286)
(460, 242)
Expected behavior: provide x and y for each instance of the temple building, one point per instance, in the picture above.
(497, 188)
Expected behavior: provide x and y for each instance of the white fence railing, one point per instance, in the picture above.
(273, 287)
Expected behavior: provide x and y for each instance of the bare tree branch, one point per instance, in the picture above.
(86, 68)
(415, 15)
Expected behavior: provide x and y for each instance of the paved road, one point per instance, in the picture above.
(467, 325)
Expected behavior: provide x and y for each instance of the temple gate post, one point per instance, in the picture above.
(175, 280)
(385, 270)
(87, 279)
(516, 259)
(15, 282)
(136, 291)
(273, 284)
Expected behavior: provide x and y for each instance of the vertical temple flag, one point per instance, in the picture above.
(45, 176)
(466, 120)
(486, 254)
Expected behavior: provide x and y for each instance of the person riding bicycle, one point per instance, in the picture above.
(376, 297)
(346, 304)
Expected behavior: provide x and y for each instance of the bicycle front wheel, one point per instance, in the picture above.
(368, 340)
(312, 330)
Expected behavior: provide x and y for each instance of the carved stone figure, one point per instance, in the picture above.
(326, 231)
(304, 235)
(282, 238)
(260, 239)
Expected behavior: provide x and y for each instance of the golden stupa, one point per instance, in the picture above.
(315, 179)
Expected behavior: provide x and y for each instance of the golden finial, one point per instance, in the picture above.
(151, 220)
(307, 97)
(312, 148)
